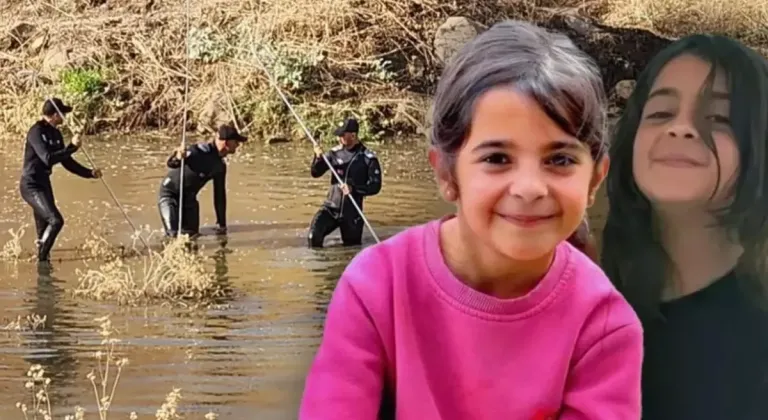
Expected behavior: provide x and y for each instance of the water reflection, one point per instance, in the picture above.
(332, 262)
(50, 344)
(221, 269)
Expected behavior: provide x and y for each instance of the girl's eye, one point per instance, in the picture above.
(561, 160)
(496, 159)
(659, 115)
(719, 119)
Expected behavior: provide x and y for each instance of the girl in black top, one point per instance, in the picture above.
(687, 230)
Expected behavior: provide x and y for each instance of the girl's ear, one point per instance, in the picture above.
(443, 175)
(601, 171)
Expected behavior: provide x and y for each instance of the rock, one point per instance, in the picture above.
(452, 35)
(38, 43)
(28, 79)
(214, 113)
(277, 140)
(55, 59)
(623, 90)
(19, 35)
(579, 25)
(427, 126)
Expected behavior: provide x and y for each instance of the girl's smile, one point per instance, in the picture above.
(528, 220)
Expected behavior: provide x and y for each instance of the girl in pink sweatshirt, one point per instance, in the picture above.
(490, 313)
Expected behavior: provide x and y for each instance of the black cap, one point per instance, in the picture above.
(348, 126)
(227, 132)
(50, 107)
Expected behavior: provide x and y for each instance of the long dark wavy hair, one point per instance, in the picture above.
(633, 256)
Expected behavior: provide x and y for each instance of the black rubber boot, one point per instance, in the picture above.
(46, 243)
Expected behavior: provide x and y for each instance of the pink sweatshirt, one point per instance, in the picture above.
(404, 335)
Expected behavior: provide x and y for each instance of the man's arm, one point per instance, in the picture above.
(76, 168)
(174, 161)
(220, 197)
(35, 137)
(372, 185)
(319, 167)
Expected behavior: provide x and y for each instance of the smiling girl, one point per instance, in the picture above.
(490, 313)
(687, 231)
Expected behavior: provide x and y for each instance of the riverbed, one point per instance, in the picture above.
(243, 359)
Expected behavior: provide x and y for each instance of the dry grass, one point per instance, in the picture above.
(173, 275)
(12, 250)
(136, 276)
(373, 57)
(746, 20)
(28, 323)
(370, 57)
(94, 247)
(104, 380)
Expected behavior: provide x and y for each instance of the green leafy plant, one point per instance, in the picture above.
(291, 68)
(207, 46)
(81, 82)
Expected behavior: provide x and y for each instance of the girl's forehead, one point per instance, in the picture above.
(688, 72)
(506, 118)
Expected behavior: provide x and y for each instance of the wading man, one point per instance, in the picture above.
(44, 148)
(202, 162)
(359, 168)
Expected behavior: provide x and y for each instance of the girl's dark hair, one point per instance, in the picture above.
(632, 255)
(564, 80)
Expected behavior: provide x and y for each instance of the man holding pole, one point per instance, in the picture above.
(202, 163)
(359, 168)
(44, 148)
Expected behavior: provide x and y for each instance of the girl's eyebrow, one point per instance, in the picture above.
(566, 144)
(664, 92)
(676, 94)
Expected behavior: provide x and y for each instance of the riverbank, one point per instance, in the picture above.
(123, 63)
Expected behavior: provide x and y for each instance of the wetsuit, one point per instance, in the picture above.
(201, 164)
(45, 148)
(359, 168)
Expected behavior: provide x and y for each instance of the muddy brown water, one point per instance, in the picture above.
(246, 358)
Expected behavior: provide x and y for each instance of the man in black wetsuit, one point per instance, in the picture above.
(202, 162)
(359, 167)
(44, 148)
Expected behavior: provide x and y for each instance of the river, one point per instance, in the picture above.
(242, 360)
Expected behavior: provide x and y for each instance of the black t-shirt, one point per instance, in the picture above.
(708, 359)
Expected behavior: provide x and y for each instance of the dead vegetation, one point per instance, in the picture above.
(30, 322)
(132, 275)
(12, 250)
(94, 246)
(123, 62)
(176, 275)
(746, 20)
(104, 380)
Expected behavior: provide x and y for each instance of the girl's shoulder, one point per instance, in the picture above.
(373, 274)
(405, 245)
(589, 276)
(593, 290)
(384, 260)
